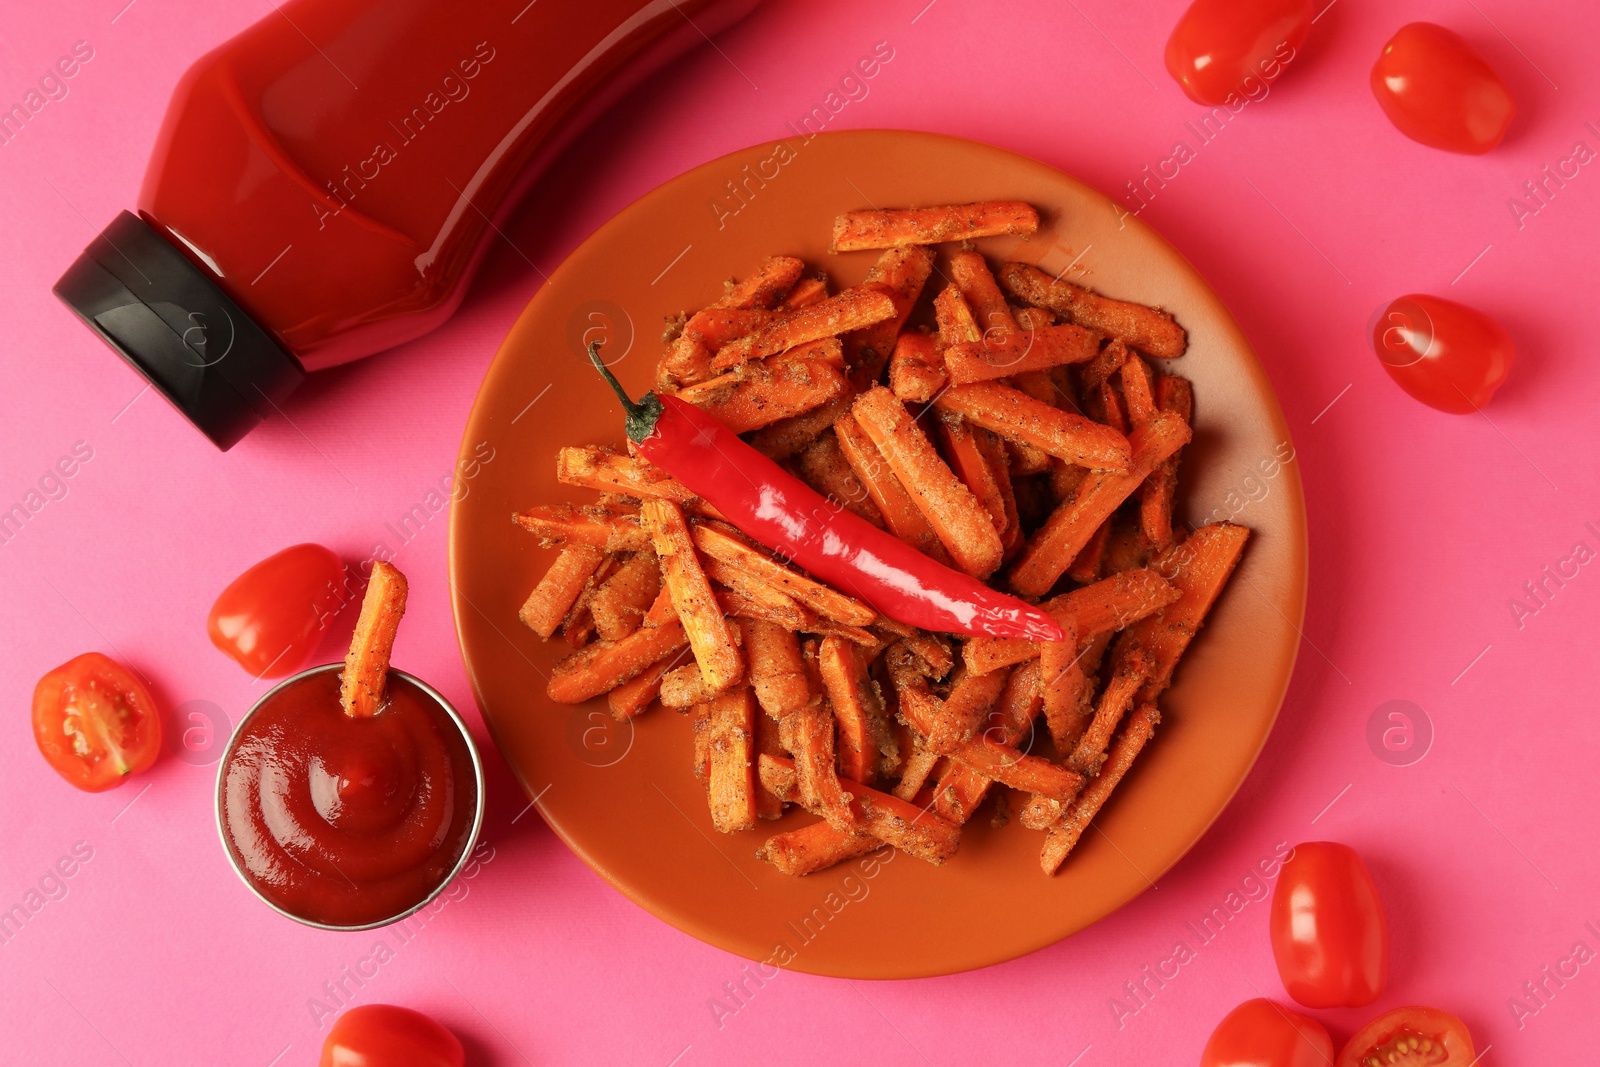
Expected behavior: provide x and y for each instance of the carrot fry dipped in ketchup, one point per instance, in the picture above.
(366, 665)
(832, 543)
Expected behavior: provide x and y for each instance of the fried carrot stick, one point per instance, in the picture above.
(972, 276)
(604, 665)
(916, 370)
(366, 664)
(1138, 391)
(814, 847)
(610, 528)
(768, 804)
(684, 687)
(950, 508)
(749, 591)
(1006, 765)
(993, 451)
(808, 733)
(856, 706)
(956, 323)
(716, 326)
(807, 291)
(1199, 567)
(1109, 604)
(852, 309)
(690, 589)
(687, 361)
(946, 724)
(900, 514)
(1016, 351)
(774, 389)
(1176, 395)
(901, 272)
(558, 590)
(1017, 416)
(971, 465)
(630, 698)
(609, 471)
(777, 670)
(824, 467)
(1064, 836)
(736, 605)
(788, 437)
(886, 817)
(961, 789)
(775, 277)
(719, 544)
(1087, 564)
(915, 773)
(1145, 328)
(1062, 686)
(1110, 360)
(730, 782)
(1051, 549)
(859, 230)
(1127, 675)
(619, 604)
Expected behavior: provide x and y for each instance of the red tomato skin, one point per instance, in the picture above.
(1217, 44)
(1439, 92)
(1330, 936)
(142, 740)
(1428, 1023)
(1263, 1033)
(1447, 355)
(383, 1035)
(270, 618)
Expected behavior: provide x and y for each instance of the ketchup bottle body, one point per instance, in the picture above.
(335, 173)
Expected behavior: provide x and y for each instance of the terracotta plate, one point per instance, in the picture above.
(623, 797)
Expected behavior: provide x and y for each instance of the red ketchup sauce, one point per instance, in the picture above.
(348, 821)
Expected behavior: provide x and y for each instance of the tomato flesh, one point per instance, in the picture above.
(1330, 936)
(95, 723)
(1447, 355)
(271, 617)
(1263, 1033)
(1224, 50)
(382, 1035)
(1410, 1037)
(1439, 92)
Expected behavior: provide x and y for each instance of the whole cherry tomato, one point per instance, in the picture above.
(1218, 44)
(382, 1035)
(1439, 92)
(1445, 354)
(1263, 1033)
(1410, 1037)
(271, 617)
(1329, 934)
(95, 722)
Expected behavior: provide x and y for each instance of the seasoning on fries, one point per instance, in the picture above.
(973, 529)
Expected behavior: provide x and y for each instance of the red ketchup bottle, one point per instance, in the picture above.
(325, 183)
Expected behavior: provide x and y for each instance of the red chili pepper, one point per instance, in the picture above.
(833, 544)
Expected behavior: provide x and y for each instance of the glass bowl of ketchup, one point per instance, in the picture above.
(349, 823)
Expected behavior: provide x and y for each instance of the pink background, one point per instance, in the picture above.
(1306, 213)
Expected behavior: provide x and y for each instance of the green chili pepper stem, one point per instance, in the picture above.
(641, 417)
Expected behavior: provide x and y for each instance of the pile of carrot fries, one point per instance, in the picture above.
(1007, 423)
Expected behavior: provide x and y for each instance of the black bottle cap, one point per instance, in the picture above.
(174, 324)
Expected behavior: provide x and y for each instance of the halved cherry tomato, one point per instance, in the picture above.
(1410, 1037)
(95, 722)
(1263, 1033)
(1329, 933)
(1445, 354)
(271, 617)
(1218, 44)
(1439, 92)
(382, 1035)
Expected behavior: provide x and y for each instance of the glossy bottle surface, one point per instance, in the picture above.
(337, 165)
